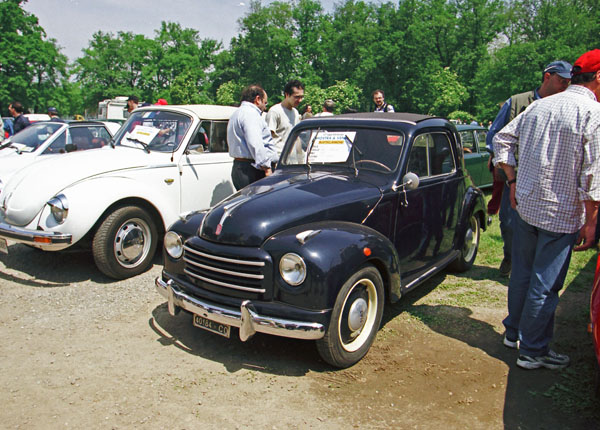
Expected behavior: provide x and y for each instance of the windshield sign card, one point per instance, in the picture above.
(331, 147)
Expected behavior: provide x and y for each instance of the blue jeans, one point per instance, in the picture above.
(539, 267)
(506, 216)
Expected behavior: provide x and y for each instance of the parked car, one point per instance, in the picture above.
(595, 323)
(361, 209)
(51, 138)
(118, 199)
(37, 117)
(475, 154)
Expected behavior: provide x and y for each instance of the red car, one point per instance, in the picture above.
(595, 321)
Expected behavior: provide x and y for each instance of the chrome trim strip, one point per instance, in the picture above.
(246, 319)
(424, 275)
(226, 260)
(227, 272)
(225, 284)
(23, 235)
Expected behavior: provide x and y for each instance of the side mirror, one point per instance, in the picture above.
(410, 181)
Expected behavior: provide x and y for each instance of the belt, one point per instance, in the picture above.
(247, 160)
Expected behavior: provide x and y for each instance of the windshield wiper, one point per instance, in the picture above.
(354, 158)
(144, 144)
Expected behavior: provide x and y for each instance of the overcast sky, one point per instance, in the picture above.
(72, 22)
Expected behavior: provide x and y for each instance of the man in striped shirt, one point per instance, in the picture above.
(556, 199)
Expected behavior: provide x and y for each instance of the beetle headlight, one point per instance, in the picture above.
(173, 244)
(59, 207)
(292, 269)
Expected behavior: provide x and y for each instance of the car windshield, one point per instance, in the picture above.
(154, 130)
(360, 148)
(29, 139)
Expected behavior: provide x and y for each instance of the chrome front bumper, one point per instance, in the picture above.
(246, 319)
(23, 235)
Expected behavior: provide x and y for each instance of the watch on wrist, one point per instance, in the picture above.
(512, 181)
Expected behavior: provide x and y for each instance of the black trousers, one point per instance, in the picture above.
(243, 173)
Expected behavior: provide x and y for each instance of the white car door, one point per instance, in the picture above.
(205, 168)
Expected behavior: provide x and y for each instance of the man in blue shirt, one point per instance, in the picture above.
(249, 139)
(21, 121)
(555, 79)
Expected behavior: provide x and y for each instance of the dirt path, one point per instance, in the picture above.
(81, 351)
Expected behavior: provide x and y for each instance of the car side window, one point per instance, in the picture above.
(218, 137)
(481, 136)
(431, 155)
(58, 146)
(468, 141)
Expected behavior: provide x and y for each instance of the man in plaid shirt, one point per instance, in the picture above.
(556, 199)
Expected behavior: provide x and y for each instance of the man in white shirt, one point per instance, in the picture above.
(556, 197)
(283, 116)
(328, 108)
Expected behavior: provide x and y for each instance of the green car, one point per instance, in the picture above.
(475, 154)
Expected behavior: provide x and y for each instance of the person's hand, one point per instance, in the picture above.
(268, 172)
(587, 236)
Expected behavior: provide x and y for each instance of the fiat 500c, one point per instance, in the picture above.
(361, 209)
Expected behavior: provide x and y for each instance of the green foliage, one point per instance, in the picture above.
(229, 94)
(344, 94)
(464, 117)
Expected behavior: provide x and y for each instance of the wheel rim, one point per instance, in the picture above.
(132, 242)
(471, 239)
(358, 316)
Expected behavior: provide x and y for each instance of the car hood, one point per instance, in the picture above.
(277, 203)
(11, 162)
(30, 188)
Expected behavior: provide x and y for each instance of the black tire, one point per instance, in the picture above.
(347, 340)
(468, 252)
(125, 243)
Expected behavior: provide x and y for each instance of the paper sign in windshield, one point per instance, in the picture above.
(143, 133)
(331, 147)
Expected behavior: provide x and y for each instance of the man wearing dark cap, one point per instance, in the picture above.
(555, 197)
(53, 113)
(555, 78)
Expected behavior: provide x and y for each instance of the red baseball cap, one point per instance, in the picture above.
(588, 62)
(161, 102)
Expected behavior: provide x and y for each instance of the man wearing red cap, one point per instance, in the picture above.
(556, 198)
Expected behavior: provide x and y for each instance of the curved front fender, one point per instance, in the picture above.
(89, 199)
(332, 255)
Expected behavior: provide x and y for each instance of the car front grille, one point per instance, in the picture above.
(225, 273)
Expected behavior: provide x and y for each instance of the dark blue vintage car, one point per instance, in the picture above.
(361, 209)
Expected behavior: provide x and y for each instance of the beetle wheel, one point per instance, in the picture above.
(355, 319)
(125, 243)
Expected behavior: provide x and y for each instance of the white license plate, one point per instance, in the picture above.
(215, 327)
(3, 246)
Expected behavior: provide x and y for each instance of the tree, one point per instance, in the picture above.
(32, 69)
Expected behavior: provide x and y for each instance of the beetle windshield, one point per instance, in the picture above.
(154, 130)
(29, 139)
(360, 148)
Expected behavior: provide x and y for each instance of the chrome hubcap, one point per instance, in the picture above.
(358, 314)
(132, 242)
(471, 240)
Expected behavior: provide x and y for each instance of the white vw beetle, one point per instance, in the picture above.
(119, 199)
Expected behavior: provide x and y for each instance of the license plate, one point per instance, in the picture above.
(215, 327)
(3, 246)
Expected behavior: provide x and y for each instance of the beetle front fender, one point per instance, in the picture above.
(89, 199)
(332, 254)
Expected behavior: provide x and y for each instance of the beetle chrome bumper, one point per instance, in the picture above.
(246, 319)
(41, 237)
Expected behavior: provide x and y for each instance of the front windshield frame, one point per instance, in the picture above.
(355, 147)
(32, 137)
(140, 132)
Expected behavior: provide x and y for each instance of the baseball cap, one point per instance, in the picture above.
(161, 102)
(588, 62)
(52, 110)
(562, 68)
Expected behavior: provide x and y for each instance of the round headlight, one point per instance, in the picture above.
(292, 269)
(173, 244)
(59, 207)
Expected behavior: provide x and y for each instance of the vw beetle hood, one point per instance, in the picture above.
(26, 192)
(267, 207)
(13, 161)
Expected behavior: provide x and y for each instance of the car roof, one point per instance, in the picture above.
(215, 112)
(378, 116)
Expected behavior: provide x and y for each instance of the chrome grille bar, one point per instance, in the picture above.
(224, 284)
(226, 272)
(223, 259)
